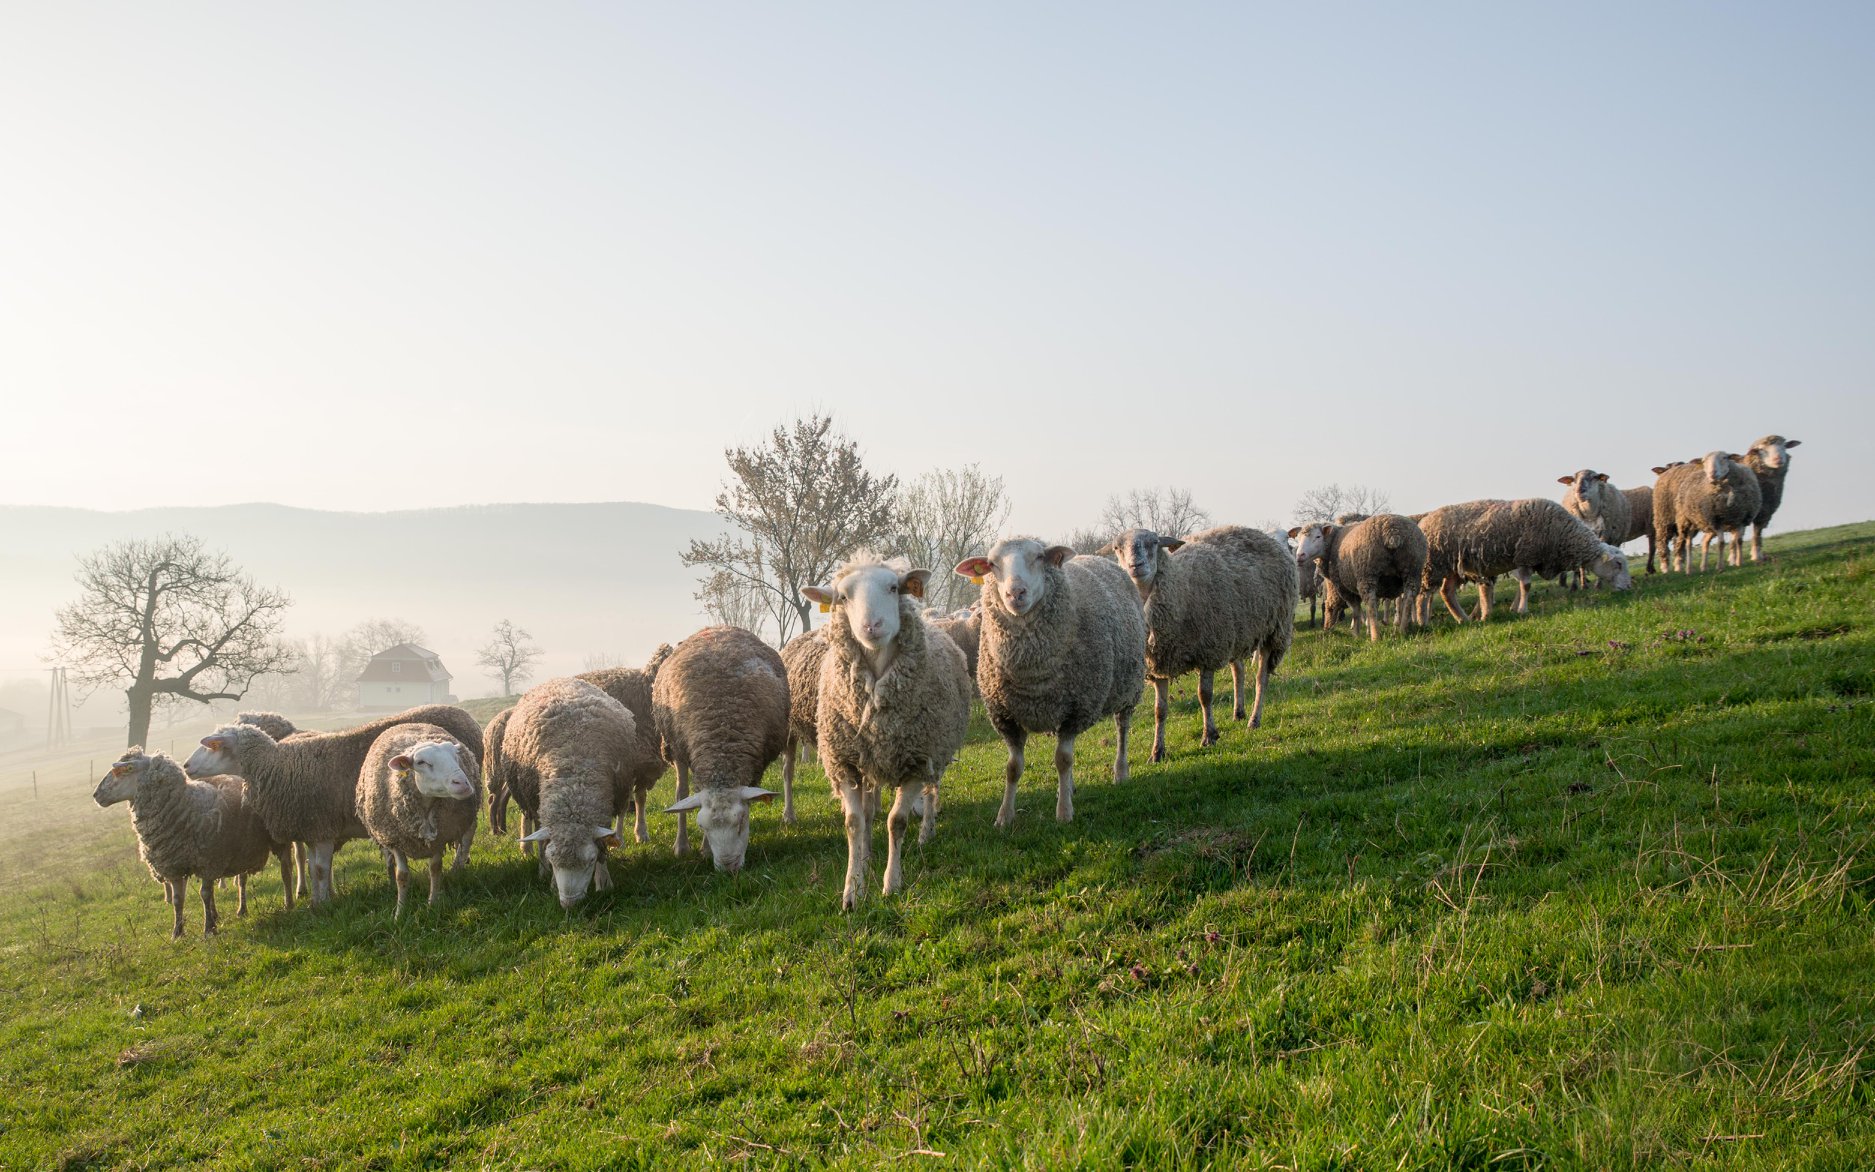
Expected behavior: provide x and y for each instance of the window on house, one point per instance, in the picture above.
(396, 668)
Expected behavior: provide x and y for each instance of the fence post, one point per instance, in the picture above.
(35, 785)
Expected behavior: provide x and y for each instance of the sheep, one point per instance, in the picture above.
(965, 628)
(498, 779)
(204, 828)
(1640, 519)
(1714, 495)
(416, 791)
(1769, 458)
(632, 688)
(892, 710)
(1535, 536)
(801, 658)
(1064, 644)
(272, 723)
(1211, 600)
(565, 746)
(721, 705)
(1597, 503)
(1446, 530)
(1380, 558)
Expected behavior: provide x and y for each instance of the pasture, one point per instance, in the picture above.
(1589, 888)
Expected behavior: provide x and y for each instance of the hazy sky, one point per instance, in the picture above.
(373, 256)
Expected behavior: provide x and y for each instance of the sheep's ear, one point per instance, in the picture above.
(1296, 530)
(1565, 480)
(820, 594)
(975, 568)
(538, 836)
(402, 761)
(605, 836)
(682, 804)
(1792, 443)
(1054, 555)
(214, 744)
(1734, 457)
(1661, 468)
(914, 580)
(1168, 544)
(755, 793)
(1105, 551)
(1601, 477)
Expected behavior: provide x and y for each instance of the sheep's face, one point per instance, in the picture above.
(574, 856)
(1142, 553)
(1018, 569)
(1612, 568)
(723, 817)
(216, 753)
(867, 600)
(120, 784)
(1582, 486)
(1311, 541)
(436, 767)
(1774, 450)
(1718, 466)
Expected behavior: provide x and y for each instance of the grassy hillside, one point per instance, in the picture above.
(1589, 888)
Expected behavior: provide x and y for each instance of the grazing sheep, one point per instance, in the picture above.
(417, 790)
(1064, 644)
(1640, 519)
(203, 828)
(893, 707)
(1714, 495)
(1536, 536)
(1211, 600)
(1769, 458)
(1446, 531)
(801, 659)
(1382, 557)
(565, 747)
(721, 704)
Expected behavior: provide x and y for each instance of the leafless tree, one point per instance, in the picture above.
(945, 516)
(1089, 540)
(1167, 511)
(800, 503)
(508, 656)
(728, 598)
(167, 618)
(1332, 500)
(600, 660)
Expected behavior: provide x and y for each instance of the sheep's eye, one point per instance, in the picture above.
(892, 589)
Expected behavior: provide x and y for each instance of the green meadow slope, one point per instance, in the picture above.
(1589, 888)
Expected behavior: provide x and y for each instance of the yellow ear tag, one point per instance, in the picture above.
(825, 607)
(976, 579)
(611, 840)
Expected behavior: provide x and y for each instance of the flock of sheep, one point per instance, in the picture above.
(1055, 644)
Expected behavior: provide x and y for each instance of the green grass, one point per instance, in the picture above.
(1589, 888)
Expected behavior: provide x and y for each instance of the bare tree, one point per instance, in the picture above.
(508, 656)
(945, 516)
(166, 618)
(1329, 501)
(600, 660)
(728, 598)
(1089, 541)
(1168, 511)
(801, 502)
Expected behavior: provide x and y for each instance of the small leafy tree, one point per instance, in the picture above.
(169, 621)
(508, 656)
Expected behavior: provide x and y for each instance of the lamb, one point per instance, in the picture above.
(893, 707)
(1446, 530)
(721, 705)
(416, 792)
(1713, 495)
(801, 658)
(1211, 600)
(1536, 536)
(566, 745)
(1380, 558)
(204, 828)
(1064, 644)
(1769, 458)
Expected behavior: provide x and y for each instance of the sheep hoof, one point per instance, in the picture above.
(1157, 755)
(1209, 738)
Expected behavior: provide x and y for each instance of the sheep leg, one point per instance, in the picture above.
(1448, 593)
(210, 921)
(284, 855)
(462, 848)
(1757, 542)
(1064, 778)
(240, 895)
(788, 752)
(436, 877)
(1205, 679)
(1122, 727)
(1408, 615)
(895, 840)
(1705, 547)
(1487, 588)
(1262, 678)
(683, 819)
(928, 808)
(528, 826)
(175, 892)
(498, 807)
(641, 830)
(858, 840)
(321, 870)
(1012, 773)
(1650, 554)
(400, 879)
(1523, 590)
(1370, 602)
(1236, 689)
(1161, 693)
(390, 865)
(302, 852)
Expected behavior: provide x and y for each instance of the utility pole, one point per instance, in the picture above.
(58, 711)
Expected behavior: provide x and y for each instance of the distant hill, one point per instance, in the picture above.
(583, 578)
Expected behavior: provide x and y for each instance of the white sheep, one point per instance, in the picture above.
(417, 791)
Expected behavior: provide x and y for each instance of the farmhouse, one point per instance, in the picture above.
(403, 677)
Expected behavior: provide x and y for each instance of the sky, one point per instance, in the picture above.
(364, 256)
